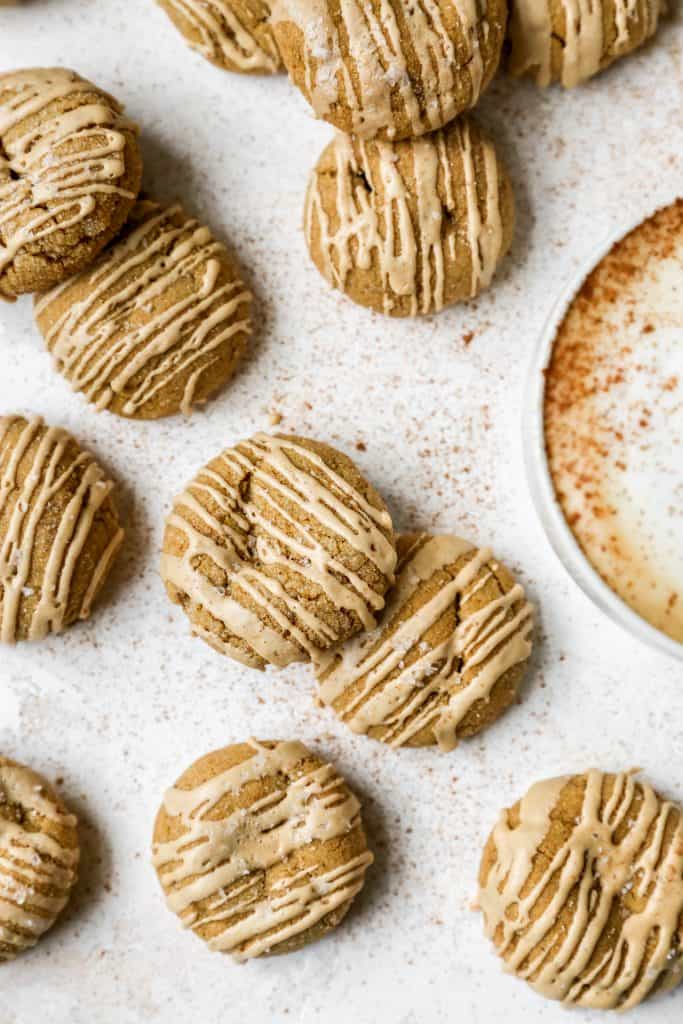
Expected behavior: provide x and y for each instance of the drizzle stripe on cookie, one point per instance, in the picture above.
(36, 871)
(224, 39)
(46, 184)
(406, 694)
(589, 871)
(26, 506)
(361, 60)
(222, 861)
(375, 218)
(112, 336)
(284, 629)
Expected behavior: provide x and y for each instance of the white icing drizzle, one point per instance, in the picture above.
(389, 209)
(215, 870)
(591, 871)
(396, 679)
(585, 50)
(227, 39)
(26, 506)
(111, 342)
(46, 184)
(36, 870)
(362, 61)
(242, 539)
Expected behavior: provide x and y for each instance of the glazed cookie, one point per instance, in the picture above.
(260, 848)
(448, 652)
(389, 70)
(70, 170)
(569, 42)
(581, 886)
(59, 530)
(409, 227)
(158, 323)
(39, 853)
(277, 548)
(234, 34)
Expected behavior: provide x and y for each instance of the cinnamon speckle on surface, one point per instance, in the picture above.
(238, 152)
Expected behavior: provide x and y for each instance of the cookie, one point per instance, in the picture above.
(448, 653)
(234, 34)
(389, 70)
(277, 548)
(581, 887)
(59, 530)
(409, 227)
(157, 324)
(260, 848)
(70, 171)
(39, 853)
(569, 42)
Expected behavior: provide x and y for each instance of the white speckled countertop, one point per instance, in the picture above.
(119, 706)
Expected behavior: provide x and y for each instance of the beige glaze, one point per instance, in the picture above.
(41, 190)
(586, 49)
(102, 343)
(247, 536)
(222, 860)
(361, 60)
(592, 870)
(224, 38)
(36, 870)
(70, 535)
(411, 251)
(406, 691)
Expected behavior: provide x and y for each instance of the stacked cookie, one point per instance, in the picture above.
(280, 551)
(141, 307)
(409, 209)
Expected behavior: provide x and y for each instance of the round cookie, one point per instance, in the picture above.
(39, 854)
(260, 848)
(389, 70)
(409, 227)
(158, 323)
(569, 42)
(234, 34)
(448, 653)
(277, 548)
(70, 170)
(59, 530)
(581, 886)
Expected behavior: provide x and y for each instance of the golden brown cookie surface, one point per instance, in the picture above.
(278, 547)
(234, 34)
(70, 171)
(568, 41)
(59, 530)
(448, 652)
(157, 324)
(39, 853)
(410, 227)
(260, 848)
(581, 887)
(384, 69)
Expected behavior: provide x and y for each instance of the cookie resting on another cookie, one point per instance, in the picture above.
(385, 69)
(277, 548)
(70, 171)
